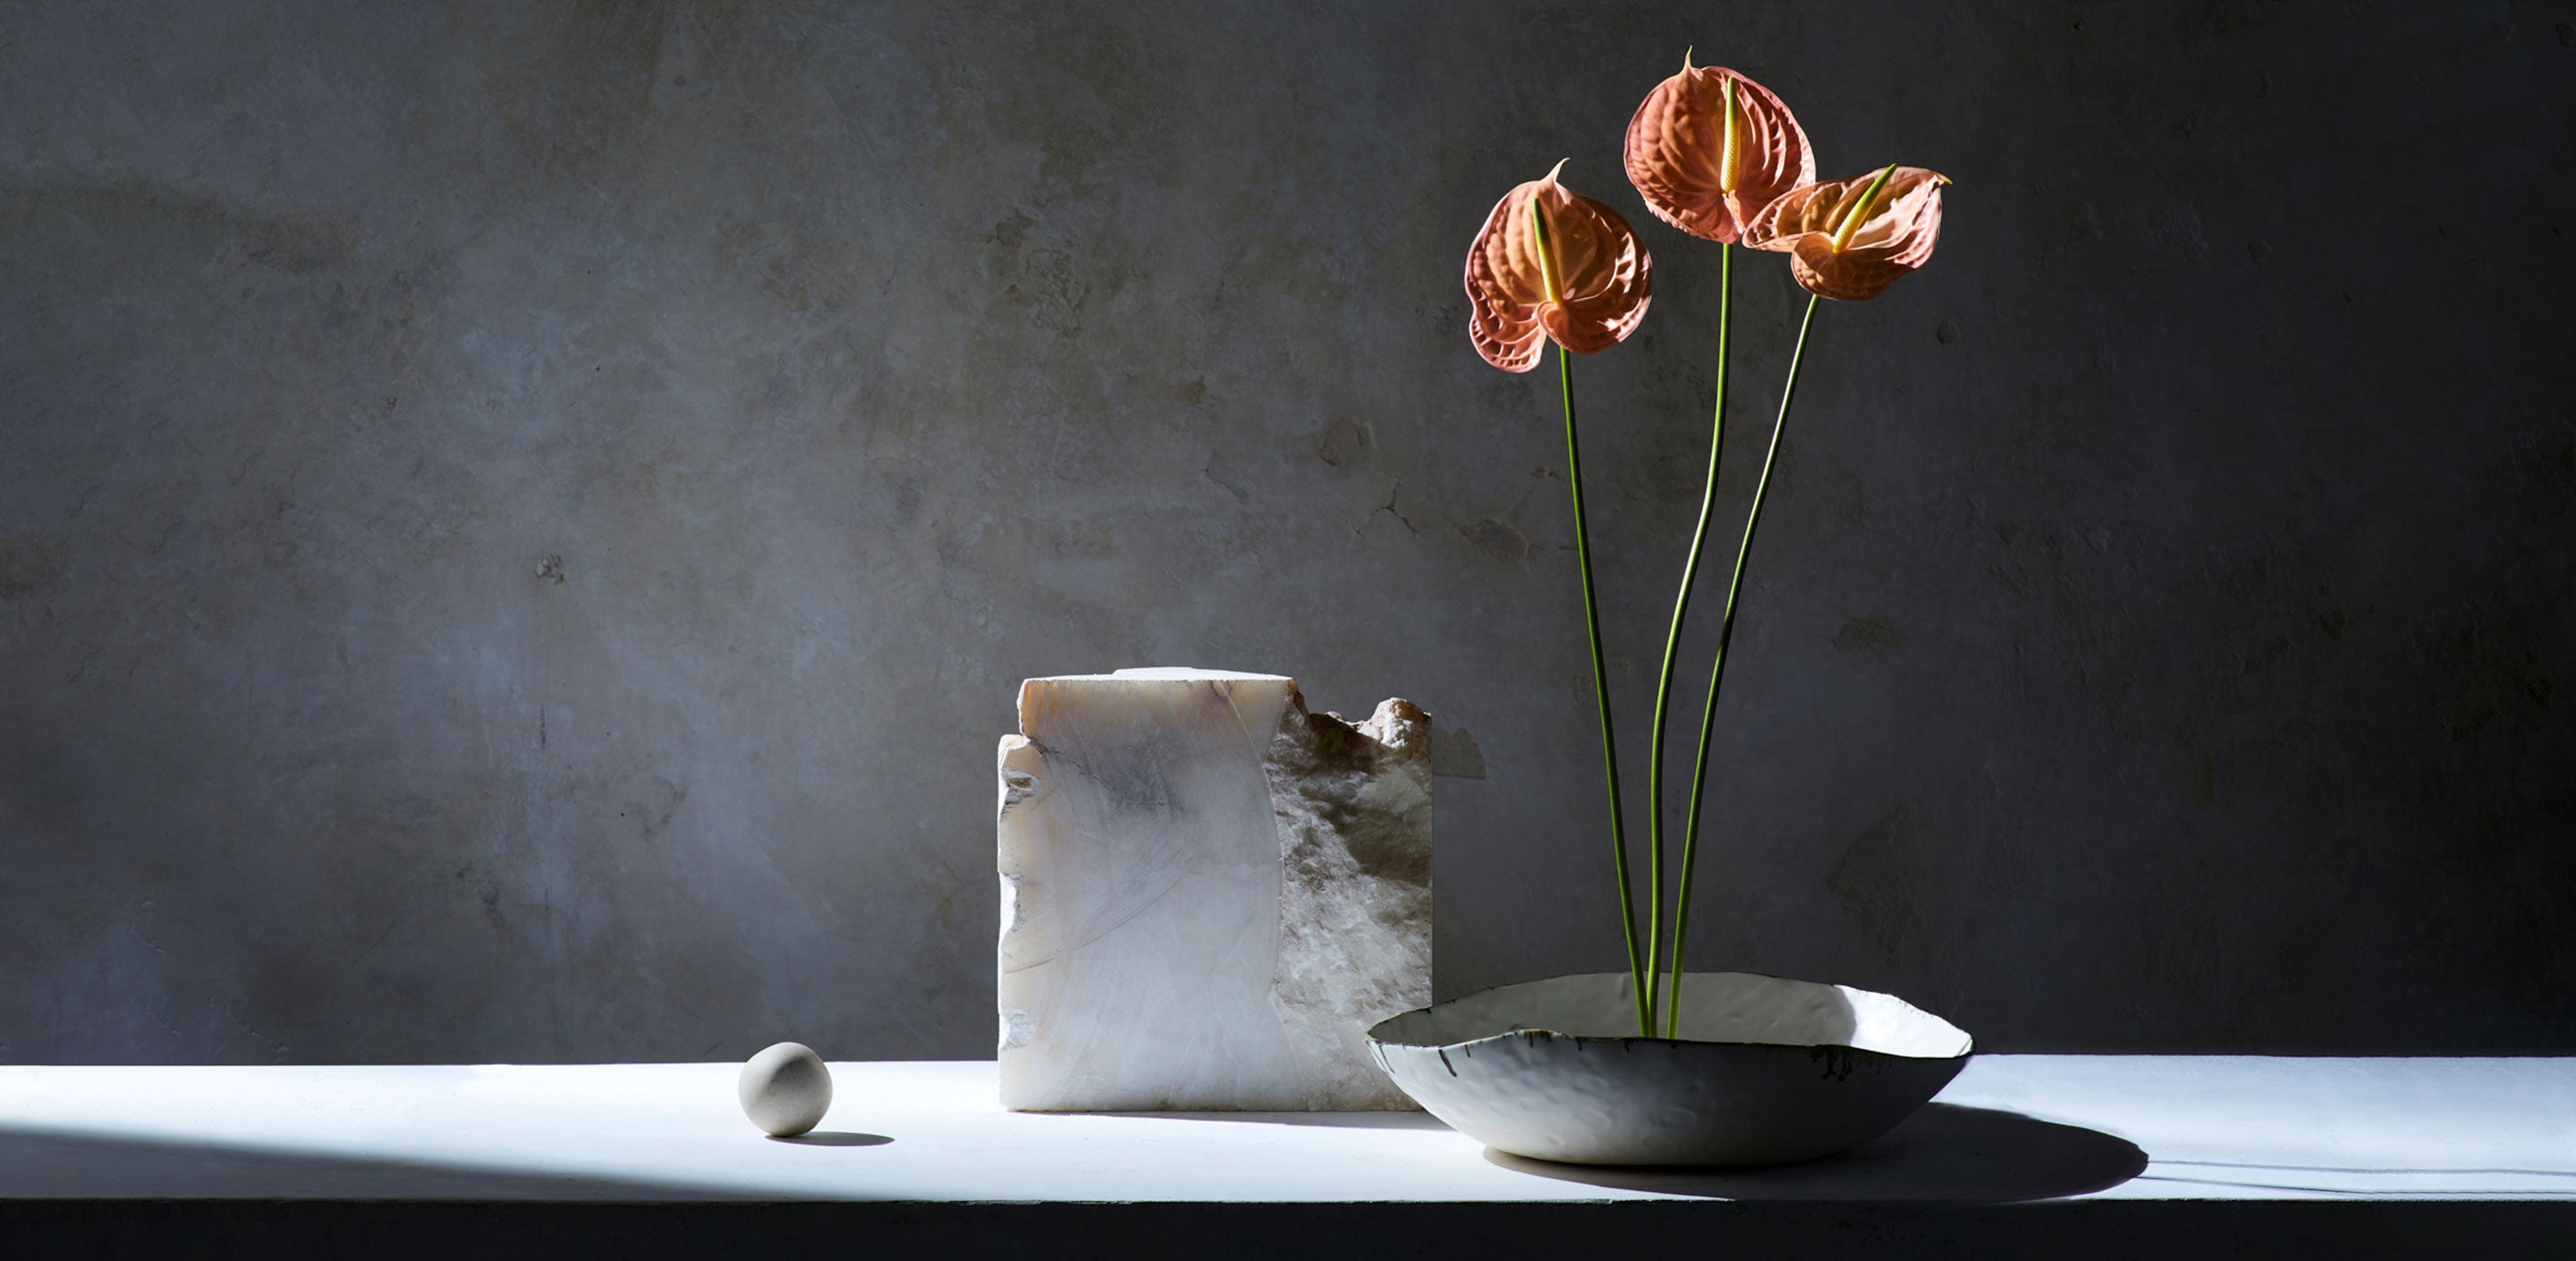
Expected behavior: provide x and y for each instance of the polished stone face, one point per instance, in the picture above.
(1207, 893)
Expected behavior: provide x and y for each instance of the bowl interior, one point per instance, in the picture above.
(1716, 1007)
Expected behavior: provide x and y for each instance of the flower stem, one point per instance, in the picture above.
(1717, 674)
(1637, 964)
(1673, 638)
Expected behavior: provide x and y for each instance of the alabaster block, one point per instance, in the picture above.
(1208, 894)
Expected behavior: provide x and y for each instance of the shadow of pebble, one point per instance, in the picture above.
(832, 1138)
(1944, 1153)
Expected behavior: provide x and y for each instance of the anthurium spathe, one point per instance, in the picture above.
(1551, 262)
(1710, 148)
(1851, 239)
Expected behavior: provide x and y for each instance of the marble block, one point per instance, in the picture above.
(1207, 893)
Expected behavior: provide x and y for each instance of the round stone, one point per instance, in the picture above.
(786, 1090)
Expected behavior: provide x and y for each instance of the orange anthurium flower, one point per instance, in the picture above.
(1551, 261)
(1850, 239)
(1710, 148)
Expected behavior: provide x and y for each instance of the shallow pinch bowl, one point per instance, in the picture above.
(1770, 1070)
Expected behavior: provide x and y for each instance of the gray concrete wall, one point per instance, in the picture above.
(520, 523)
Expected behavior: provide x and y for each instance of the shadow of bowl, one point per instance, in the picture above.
(1943, 1153)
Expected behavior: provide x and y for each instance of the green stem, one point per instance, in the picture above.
(1637, 964)
(1717, 673)
(1681, 609)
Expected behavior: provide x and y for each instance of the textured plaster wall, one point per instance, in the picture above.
(520, 523)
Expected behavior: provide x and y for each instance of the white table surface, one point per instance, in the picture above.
(2208, 1126)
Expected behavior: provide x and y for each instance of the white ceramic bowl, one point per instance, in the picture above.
(1768, 1070)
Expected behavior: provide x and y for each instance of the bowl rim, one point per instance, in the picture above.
(1532, 1034)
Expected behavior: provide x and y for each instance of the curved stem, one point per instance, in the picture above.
(1637, 964)
(1717, 674)
(1673, 638)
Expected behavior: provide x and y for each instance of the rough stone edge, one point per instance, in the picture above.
(1333, 782)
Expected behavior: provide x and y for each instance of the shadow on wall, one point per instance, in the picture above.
(1942, 1154)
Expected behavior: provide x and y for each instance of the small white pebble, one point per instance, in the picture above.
(786, 1090)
